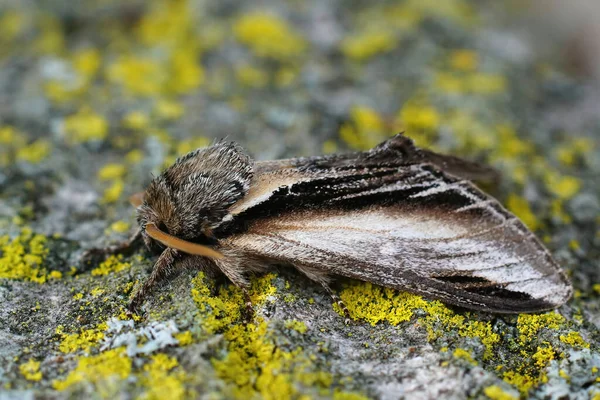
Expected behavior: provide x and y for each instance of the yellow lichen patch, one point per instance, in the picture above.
(12, 24)
(563, 187)
(486, 83)
(137, 76)
(136, 120)
(569, 153)
(520, 207)
(84, 126)
(100, 370)
(97, 292)
(185, 72)
(134, 156)
(543, 356)
(529, 325)
(483, 331)
(422, 120)
(22, 257)
(221, 311)
(184, 338)
(523, 382)
(254, 366)
(464, 355)
(84, 340)
(168, 110)
(11, 140)
(374, 304)
(298, 326)
(167, 23)
(363, 46)
(34, 152)
(574, 339)
(250, 76)
(113, 192)
(495, 392)
(51, 39)
(160, 379)
(464, 60)
(449, 82)
(510, 145)
(120, 226)
(31, 370)
(111, 171)
(364, 130)
(268, 36)
(87, 62)
(111, 265)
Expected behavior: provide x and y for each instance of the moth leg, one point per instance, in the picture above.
(232, 267)
(320, 277)
(248, 310)
(163, 268)
(126, 247)
(336, 299)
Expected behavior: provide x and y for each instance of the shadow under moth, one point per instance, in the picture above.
(396, 215)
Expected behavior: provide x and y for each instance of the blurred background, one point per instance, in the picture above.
(96, 96)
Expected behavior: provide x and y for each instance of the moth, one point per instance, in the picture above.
(397, 216)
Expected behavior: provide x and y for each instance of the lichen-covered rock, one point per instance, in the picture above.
(97, 96)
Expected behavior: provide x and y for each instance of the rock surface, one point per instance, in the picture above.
(97, 96)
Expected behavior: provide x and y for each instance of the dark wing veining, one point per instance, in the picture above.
(398, 223)
(335, 170)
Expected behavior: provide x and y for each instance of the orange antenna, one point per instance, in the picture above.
(180, 244)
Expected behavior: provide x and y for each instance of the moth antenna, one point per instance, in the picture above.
(180, 244)
(137, 199)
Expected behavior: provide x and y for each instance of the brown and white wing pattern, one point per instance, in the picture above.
(406, 226)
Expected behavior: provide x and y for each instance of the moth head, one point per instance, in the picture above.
(191, 198)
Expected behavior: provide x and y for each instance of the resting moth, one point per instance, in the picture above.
(396, 215)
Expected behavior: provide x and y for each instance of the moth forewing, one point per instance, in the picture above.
(391, 216)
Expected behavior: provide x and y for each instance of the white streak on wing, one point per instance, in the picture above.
(386, 188)
(442, 187)
(461, 187)
(409, 226)
(479, 204)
